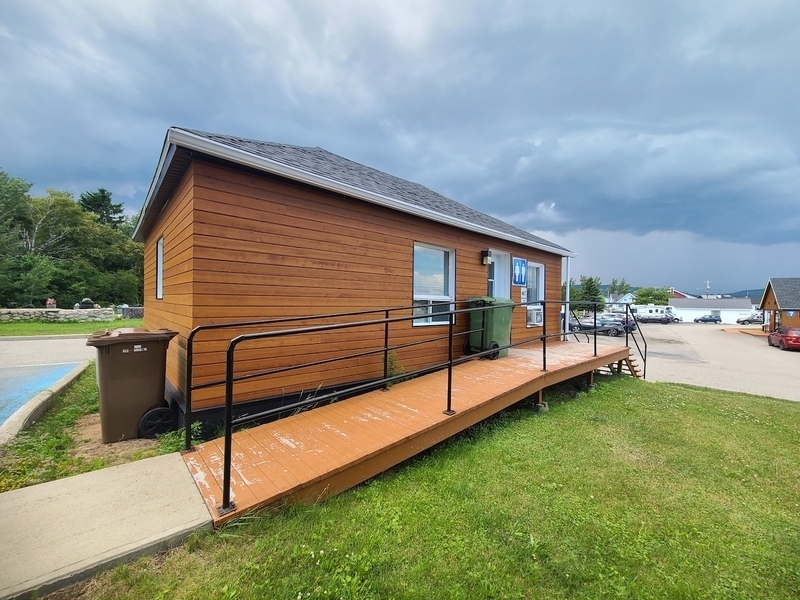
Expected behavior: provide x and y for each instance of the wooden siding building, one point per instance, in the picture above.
(782, 299)
(239, 230)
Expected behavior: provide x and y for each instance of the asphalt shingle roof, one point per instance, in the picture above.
(715, 303)
(322, 163)
(787, 292)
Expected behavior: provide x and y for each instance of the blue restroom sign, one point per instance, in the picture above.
(519, 276)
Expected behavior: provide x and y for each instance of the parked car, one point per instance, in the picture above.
(756, 318)
(708, 319)
(605, 325)
(785, 338)
(628, 323)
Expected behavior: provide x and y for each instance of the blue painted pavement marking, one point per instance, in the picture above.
(20, 384)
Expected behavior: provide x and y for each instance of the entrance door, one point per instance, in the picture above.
(499, 283)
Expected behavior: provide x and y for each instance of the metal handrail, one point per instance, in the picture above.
(227, 505)
(230, 379)
(629, 334)
(237, 324)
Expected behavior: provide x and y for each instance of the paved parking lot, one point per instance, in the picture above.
(720, 356)
(32, 365)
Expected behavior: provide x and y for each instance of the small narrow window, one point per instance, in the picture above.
(434, 282)
(535, 285)
(160, 269)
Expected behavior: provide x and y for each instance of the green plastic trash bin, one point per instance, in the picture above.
(490, 328)
(131, 370)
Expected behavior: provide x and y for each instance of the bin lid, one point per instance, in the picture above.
(497, 301)
(125, 335)
(487, 301)
(479, 301)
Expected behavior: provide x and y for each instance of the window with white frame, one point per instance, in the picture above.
(434, 283)
(535, 287)
(160, 269)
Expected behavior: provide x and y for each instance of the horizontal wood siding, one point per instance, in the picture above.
(174, 311)
(264, 247)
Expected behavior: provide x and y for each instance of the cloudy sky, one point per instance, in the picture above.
(660, 141)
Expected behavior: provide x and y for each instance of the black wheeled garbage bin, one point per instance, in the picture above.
(131, 369)
(490, 328)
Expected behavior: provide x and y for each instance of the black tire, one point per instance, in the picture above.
(613, 332)
(782, 346)
(745, 322)
(496, 347)
(157, 421)
(769, 341)
(467, 348)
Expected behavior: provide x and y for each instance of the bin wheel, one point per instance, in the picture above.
(157, 421)
(467, 348)
(496, 347)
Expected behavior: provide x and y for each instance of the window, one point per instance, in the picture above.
(160, 269)
(434, 282)
(535, 312)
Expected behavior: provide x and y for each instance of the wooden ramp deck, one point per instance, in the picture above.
(321, 452)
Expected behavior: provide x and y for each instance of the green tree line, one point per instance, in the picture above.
(54, 246)
(590, 290)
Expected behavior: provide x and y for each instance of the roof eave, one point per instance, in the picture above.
(764, 296)
(179, 137)
(167, 152)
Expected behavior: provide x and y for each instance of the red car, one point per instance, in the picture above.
(785, 338)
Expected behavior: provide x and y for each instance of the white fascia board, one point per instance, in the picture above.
(764, 296)
(188, 140)
(167, 152)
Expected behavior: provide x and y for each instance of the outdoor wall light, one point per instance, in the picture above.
(486, 257)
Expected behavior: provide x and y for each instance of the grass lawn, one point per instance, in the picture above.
(631, 490)
(41, 328)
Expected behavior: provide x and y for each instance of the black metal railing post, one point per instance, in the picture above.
(386, 351)
(544, 335)
(187, 415)
(227, 505)
(450, 410)
(627, 325)
(595, 328)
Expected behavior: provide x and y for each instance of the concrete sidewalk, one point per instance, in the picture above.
(63, 531)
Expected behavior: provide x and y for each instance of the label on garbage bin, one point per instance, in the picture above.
(136, 348)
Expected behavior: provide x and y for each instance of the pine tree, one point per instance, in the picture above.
(99, 203)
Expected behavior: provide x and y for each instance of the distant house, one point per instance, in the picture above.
(673, 293)
(619, 300)
(728, 309)
(781, 300)
(243, 230)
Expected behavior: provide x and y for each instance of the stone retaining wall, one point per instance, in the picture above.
(132, 312)
(56, 315)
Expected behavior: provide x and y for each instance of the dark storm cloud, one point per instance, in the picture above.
(617, 116)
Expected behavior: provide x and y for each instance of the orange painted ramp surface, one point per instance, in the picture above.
(316, 453)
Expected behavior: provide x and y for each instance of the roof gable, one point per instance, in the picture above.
(786, 291)
(326, 170)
